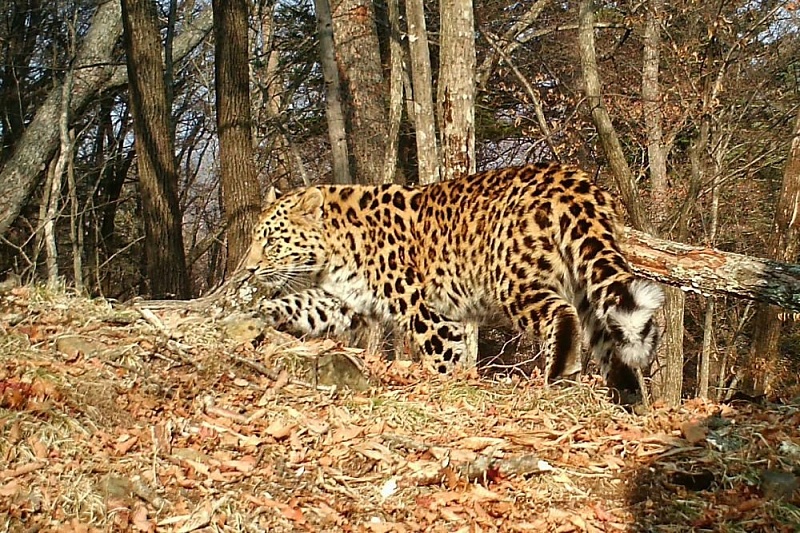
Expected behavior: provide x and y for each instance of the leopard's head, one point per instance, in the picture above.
(288, 243)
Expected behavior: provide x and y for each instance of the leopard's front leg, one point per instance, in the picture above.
(311, 312)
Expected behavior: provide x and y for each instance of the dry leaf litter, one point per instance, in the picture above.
(114, 418)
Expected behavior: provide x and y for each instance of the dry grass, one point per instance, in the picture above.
(113, 421)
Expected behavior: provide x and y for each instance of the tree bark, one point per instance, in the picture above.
(651, 100)
(241, 195)
(158, 177)
(668, 379)
(422, 99)
(334, 107)
(456, 108)
(359, 61)
(93, 67)
(784, 245)
(456, 88)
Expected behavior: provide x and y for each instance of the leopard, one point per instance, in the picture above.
(538, 245)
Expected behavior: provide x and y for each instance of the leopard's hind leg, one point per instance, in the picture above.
(550, 317)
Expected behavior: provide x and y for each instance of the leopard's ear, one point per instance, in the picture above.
(271, 196)
(310, 203)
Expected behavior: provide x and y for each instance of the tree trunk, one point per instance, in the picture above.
(359, 61)
(55, 185)
(668, 377)
(651, 101)
(422, 84)
(456, 89)
(395, 93)
(334, 107)
(784, 245)
(669, 374)
(241, 195)
(92, 67)
(158, 177)
(456, 107)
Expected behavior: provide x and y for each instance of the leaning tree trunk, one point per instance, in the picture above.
(158, 176)
(93, 67)
(605, 128)
(359, 60)
(784, 245)
(709, 271)
(241, 196)
(456, 88)
(94, 71)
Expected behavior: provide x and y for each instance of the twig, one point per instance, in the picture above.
(274, 376)
(154, 321)
(401, 441)
(21, 470)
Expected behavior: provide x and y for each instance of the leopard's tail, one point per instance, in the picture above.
(616, 308)
(631, 325)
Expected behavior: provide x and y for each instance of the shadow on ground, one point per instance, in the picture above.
(736, 470)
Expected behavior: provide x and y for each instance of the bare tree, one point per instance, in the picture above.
(422, 84)
(334, 108)
(241, 196)
(158, 176)
(784, 245)
(456, 88)
(93, 66)
(94, 71)
(358, 55)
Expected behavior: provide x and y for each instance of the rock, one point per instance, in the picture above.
(777, 485)
(340, 370)
(243, 328)
(74, 346)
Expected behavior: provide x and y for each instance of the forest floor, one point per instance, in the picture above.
(117, 420)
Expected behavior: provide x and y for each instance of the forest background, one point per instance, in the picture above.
(137, 136)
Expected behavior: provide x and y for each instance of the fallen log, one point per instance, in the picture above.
(709, 271)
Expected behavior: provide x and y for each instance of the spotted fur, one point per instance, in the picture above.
(535, 243)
